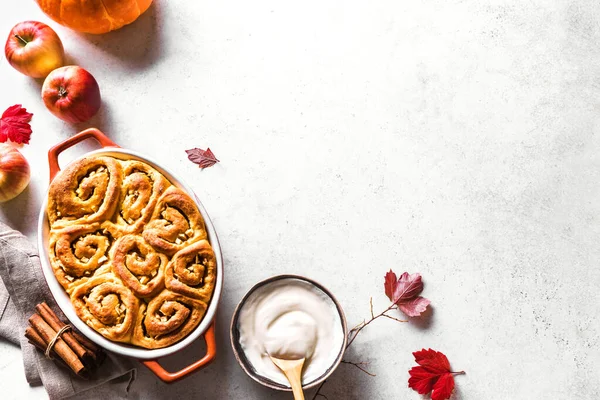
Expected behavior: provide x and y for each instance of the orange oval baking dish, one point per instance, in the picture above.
(149, 357)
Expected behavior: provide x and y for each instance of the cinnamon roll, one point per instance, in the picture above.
(192, 271)
(138, 265)
(84, 193)
(79, 252)
(176, 222)
(107, 306)
(167, 319)
(141, 188)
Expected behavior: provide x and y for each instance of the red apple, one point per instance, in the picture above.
(72, 94)
(34, 49)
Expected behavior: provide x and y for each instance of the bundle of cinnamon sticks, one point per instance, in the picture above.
(70, 349)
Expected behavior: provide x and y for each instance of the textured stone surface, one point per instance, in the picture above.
(455, 138)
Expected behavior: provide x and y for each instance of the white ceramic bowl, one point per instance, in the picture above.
(240, 355)
(64, 302)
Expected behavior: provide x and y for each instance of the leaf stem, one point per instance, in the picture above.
(458, 373)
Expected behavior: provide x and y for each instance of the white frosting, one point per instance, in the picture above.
(290, 319)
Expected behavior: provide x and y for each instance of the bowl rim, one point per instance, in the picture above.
(242, 360)
(62, 298)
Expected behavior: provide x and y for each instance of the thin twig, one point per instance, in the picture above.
(354, 333)
(395, 319)
(359, 365)
(368, 322)
(355, 328)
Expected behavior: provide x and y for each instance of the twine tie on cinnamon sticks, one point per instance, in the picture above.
(55, 338)
(60, 342)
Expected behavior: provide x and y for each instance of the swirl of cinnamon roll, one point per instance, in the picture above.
(192, 271)
(141, 188)
(86, 192)
(79, 252)
(167, 319)
(138, 265)
(107, 306)
(176, 222)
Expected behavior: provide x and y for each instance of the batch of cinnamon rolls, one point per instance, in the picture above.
(131, 250)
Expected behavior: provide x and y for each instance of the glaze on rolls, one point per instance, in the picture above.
(131, 251)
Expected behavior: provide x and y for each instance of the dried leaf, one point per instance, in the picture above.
(390, 284)
(14, 125)
(432, 375)
(204, 158)
(414, 307)
(404, 292)
(408, 287)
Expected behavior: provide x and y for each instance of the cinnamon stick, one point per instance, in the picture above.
(95, 351)
(85, 342)
(61, 348)
(38, 342)
(52, 320)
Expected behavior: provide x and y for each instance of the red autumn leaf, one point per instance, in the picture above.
(404, 292)
(204, 158)
(432, 360)
(443, 387)
(414, 307)
(14, 125)
(432, 375)
(421, 380)
(390, 284)
(408, 287)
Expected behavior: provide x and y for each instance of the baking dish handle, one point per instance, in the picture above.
(73, 140)
(170, 377)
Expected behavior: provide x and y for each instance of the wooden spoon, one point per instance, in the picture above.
(293, 372)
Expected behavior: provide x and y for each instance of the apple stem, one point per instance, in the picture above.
(62, 92)
(25, 42)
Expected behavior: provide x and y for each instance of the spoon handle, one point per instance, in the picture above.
(297, 389)
(292, 370)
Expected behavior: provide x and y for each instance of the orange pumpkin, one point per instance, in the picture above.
(94, 16)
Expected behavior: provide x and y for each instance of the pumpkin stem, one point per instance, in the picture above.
(25, 42)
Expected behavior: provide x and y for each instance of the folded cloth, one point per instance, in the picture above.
(21, 288)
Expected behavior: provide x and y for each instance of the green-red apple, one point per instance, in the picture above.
(34, 49)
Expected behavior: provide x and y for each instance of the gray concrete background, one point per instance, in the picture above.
(458, 139)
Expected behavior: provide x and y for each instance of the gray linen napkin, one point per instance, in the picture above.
(21, 288)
